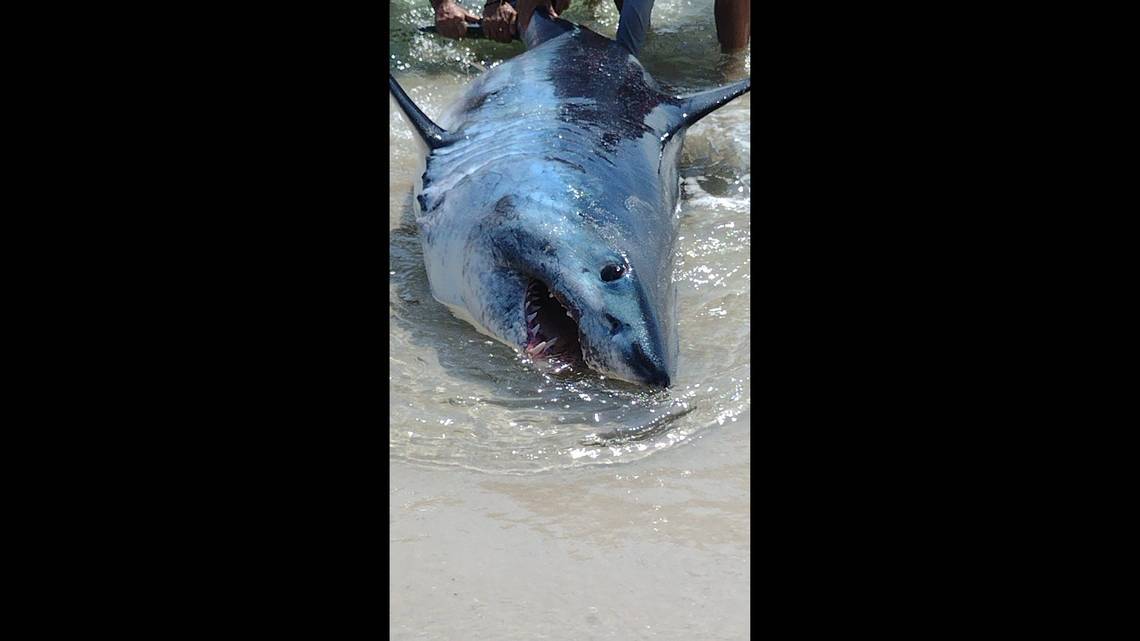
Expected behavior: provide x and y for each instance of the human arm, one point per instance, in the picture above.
(500, 20)
(451, 19)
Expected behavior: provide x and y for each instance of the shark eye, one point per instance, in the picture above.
(612, 272)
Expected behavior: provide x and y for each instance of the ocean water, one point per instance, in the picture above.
(529, 506)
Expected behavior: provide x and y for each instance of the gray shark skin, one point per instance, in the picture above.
(548, 210)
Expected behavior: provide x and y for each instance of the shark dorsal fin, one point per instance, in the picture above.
(432, 134)
(696, 106)
(542, 28)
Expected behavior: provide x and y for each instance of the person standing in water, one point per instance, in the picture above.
(502, 19)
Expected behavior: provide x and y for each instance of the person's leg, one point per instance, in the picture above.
(634, 23)
(733, 23)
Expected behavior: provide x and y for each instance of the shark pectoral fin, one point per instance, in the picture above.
(431, 133)
(697, 106)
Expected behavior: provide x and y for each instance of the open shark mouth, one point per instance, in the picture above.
(551, 326)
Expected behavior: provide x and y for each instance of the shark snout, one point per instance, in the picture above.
(629, 355)
(648, 366)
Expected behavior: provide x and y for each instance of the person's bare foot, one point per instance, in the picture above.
(730, 67)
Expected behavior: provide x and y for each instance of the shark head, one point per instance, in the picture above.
(565, 294)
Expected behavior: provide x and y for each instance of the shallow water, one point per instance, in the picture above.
(543, 496)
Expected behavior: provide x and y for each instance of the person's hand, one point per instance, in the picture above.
(500, 21)
(451, 19)
(551, 7)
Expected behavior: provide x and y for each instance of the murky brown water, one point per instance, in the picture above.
(531, 507)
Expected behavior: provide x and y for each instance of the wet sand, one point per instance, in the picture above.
(654, 549)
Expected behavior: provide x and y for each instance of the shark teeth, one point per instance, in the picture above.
(543, 347)
(548, 337)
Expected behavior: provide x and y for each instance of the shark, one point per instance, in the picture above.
(548, 203)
